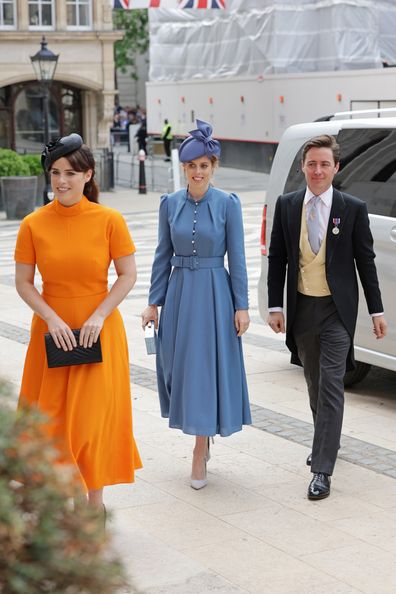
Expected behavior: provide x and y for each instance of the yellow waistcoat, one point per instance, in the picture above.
(312, 273)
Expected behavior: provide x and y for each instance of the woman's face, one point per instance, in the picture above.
(199, 173)
(67, 184)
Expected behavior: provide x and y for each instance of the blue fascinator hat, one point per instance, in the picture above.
(199, 144)
(60, 148)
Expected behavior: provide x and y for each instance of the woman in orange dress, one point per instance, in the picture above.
(72, 241)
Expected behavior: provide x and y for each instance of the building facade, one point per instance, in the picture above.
(82, 93)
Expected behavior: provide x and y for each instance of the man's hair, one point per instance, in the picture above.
(323, 141)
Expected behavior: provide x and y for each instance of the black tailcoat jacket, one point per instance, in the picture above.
(350, 249)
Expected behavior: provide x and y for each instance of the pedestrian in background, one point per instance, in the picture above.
(167, 137)
(204, 308)
(319, 237)
(141, 134)
(132, 120)
(72, 241)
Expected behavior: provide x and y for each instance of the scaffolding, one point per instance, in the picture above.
(258, 37)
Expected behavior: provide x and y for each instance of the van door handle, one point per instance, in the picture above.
(393, 234)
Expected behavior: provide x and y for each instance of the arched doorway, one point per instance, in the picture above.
(24, 105)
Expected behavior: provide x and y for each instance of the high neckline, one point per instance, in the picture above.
(71, 211)
(199, 200)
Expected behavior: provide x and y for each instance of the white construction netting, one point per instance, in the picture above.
(256, 37)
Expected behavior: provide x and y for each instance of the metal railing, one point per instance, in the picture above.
(159, 176)
(104, 172)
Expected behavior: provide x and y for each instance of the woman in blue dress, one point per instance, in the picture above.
(204, 308)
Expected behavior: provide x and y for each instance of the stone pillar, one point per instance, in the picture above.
(109, 91)
(106, 109)
(22, 15)
(104, 15)
(90, 118)
(60, 14)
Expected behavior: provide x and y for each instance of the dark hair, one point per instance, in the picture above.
(81, 160)
(323, 141)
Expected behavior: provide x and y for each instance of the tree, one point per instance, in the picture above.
(45, 544)
(134, 23)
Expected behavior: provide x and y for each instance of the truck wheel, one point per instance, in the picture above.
(356, 375)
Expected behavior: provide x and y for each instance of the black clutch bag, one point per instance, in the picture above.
(78, 356)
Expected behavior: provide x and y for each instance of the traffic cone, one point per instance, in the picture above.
(142, 173)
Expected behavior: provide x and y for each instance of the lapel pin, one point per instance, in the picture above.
(335, 229)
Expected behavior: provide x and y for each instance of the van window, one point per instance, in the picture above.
(367, 168)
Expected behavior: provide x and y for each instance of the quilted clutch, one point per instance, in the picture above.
(78, 356)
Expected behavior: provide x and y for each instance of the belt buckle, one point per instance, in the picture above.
(194, 262)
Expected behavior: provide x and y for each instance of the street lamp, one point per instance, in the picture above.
(44, 64)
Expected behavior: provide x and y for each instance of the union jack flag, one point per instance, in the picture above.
(201, 3)
(131, 4)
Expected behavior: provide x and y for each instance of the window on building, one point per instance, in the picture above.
(7, 14)
(27, 114)
(79, 14)
(41, 14)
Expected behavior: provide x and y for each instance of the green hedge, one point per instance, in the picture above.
(34, 164)
(12, 164)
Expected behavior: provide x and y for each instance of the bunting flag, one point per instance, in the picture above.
(131, 4)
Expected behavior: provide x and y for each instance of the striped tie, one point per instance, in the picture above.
(313, 224)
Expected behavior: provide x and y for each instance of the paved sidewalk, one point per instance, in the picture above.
(252, 529)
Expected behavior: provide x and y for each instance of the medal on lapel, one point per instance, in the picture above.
(335, 229)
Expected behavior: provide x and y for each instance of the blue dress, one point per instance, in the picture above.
(201, 376)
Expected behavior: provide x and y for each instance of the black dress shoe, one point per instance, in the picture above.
(309, 460)
(319, 487)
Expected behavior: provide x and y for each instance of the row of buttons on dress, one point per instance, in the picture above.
(194, 223)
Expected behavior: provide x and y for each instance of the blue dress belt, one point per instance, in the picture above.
(195, 262)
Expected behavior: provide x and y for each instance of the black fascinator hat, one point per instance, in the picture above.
(60, 148)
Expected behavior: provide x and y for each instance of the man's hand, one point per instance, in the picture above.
(380, 326)
(276, 321)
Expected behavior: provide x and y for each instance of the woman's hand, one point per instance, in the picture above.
(61, 333)
(90, 330)
(148, 314)
(241, 321)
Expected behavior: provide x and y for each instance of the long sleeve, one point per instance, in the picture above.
(364, 258)
(236, 253)
(163, 254)
(277, 261)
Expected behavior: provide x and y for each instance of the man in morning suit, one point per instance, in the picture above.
(320, 236)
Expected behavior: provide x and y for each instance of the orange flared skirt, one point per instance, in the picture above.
(88, 406)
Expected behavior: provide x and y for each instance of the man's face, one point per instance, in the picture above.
(319, 169)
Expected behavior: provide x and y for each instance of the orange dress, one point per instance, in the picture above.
(88, 406)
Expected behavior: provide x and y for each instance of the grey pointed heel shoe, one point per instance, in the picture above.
(201, 483)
